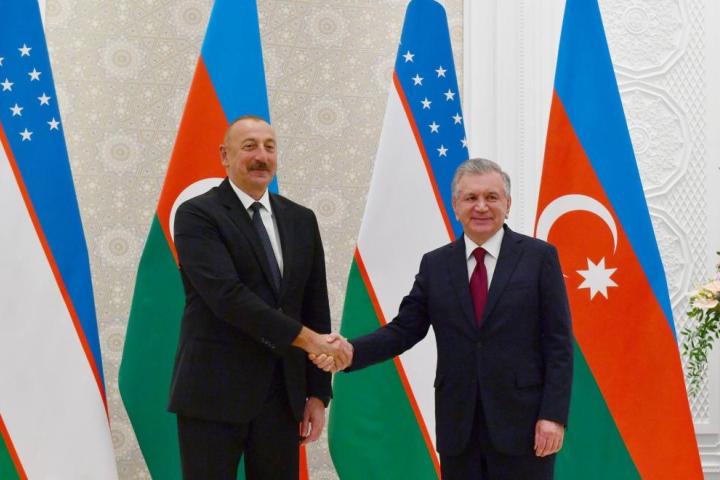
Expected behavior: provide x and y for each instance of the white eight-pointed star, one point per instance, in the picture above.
(597, 278)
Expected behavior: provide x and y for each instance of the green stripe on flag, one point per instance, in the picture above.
(149, 353)
(373, 432)
(7, 467)
(593, 448)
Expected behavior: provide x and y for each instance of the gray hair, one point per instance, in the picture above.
(479, 166)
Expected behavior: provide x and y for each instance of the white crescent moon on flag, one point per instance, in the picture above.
(192, 190)
(574, 203)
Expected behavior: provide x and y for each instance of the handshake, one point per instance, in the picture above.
(329, 352)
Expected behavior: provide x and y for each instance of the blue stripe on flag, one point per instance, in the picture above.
(30, 106)
(593, 104)
(239, 84)
(426, 71)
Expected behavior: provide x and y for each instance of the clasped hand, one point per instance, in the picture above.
(335, 355)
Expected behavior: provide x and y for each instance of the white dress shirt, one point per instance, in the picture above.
(492, 247)
(267, 218)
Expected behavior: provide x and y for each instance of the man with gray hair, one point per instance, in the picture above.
(497, 303)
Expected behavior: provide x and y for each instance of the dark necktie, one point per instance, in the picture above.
(267, 246)
(479, 284)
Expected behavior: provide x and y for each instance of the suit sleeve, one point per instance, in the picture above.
(316, 315)
(409, 327)
(206, 262)
(557, 347)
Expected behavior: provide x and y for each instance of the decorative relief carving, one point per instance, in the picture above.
(645, 37)
(674, 251)
(659, 135)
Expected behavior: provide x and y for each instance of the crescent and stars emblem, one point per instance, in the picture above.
(597, 278)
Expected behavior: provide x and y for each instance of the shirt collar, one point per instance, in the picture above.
(247, 200)
(492, 245)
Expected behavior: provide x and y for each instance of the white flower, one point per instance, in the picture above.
(704, 303)
(713, 287)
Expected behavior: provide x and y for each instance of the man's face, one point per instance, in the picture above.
(481, 205)
(249, 155)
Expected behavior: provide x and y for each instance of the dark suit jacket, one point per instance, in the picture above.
(236, 328)
(519, 361)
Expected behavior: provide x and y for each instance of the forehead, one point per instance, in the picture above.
(250, 129)
(484, 182)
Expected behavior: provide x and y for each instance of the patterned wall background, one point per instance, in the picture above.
(122, 71)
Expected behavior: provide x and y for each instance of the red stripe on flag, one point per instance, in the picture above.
(196, 154)
(625, 337)
(398, 363)
(9, 444)
(54, 268)
(423, 153)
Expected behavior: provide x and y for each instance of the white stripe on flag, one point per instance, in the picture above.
(50, 401)
(402, 222)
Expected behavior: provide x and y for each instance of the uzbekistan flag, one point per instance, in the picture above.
(629, 416)
(53, 414)
(382, 421)
(229, 81)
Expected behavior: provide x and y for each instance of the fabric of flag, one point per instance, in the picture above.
(382, 422)
(629, 415)
(53, 414)
(229, 81)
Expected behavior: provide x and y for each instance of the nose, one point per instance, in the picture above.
(480, 205)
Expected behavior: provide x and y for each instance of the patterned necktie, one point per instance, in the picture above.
(267, 246)
(479, 284)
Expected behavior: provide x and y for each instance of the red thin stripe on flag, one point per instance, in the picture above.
(9, 444)
(423, 153)
(398, 363)
(53, 266)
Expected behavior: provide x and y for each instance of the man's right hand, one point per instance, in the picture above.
(329, 352)
(336, 361)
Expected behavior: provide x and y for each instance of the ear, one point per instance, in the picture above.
(223, 156)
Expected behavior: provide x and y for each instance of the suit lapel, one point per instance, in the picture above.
(240, 217)
(510, 253)
(457, 266)
(286, 230)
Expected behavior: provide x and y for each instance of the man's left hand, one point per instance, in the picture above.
(548, 437)
(313, 420)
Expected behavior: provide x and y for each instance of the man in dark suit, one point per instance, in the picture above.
(496, 301)
(253, 270)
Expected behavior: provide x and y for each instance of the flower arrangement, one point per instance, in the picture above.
(699, 337)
